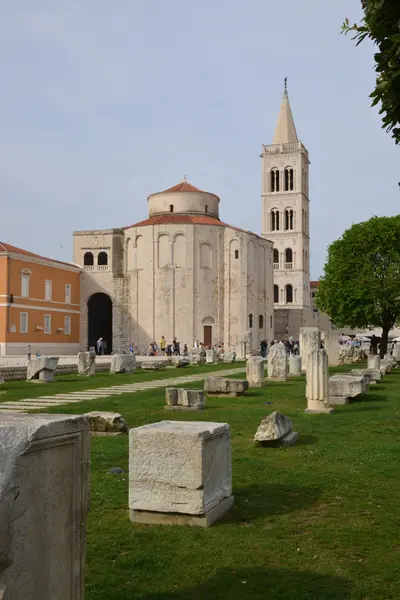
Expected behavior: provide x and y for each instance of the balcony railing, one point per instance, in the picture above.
(276, 265)
(289, 265)
(90, 268)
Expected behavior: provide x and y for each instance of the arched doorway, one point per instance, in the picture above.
(207, 323)
(100, 320)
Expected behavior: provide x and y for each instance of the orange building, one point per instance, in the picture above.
(39, 304)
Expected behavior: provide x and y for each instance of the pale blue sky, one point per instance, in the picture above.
(104, 103)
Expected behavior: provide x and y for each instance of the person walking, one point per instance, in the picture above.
(163, 344)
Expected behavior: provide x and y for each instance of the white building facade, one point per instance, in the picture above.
(182, 273)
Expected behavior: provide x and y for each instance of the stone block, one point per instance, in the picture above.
(196, 357)
(396, 351)
(255, 371)
(123, 363)
(374, 361)
(294, 365)
(151, 365)
(179, 470)
(44, 500)
(317, 383)
(42, 369)
(278, 367)
(338, 400)
(229, 357)
(331, 345)
(309, 341)
(87, 363)
(221, 386)
(275, 430)
(106, 422)
(347, 386)
(211, 356)
(179, 361)
(373, 374)
(184, 399)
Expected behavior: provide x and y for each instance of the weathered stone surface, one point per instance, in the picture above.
(345, 354)
(179, 361)
(151, 365)
(396, 351)
(375, 374)
(221, 386)
(274, 427)
(367, 374)
(87, 363)
(255, 371)
(211, 356)
(347, 386)
(331, 346)
(374, 361)
(309, 340)
(42, 369)
(181, 399)
(229, 357)
(123, 363)
(385, 368)
(44, 471)
(106, 422)
(294, 365)
(388, 358)
(317, 383)
(179, 467)
(196, 357)
(278, 367)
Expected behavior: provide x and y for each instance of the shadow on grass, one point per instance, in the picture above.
(265, 500)
(306, 440)
(259, 583)
(367, 397)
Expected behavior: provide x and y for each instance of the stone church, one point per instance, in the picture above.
(185, 274)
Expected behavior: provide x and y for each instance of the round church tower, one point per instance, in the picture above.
(185, 199)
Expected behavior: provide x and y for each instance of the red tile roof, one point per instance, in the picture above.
(314, 283)
(9, 249)
(183, 186)
(188, 220)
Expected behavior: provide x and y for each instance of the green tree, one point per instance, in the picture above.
(361, 283)
(381, 24)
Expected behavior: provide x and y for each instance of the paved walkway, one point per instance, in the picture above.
(21, 406)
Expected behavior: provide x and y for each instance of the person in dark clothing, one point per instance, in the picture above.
(374, 345)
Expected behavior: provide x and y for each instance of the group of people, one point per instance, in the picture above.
(165, 349)
(292, 346)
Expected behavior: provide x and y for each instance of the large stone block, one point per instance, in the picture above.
(87, 363)
(152, 365)
(331, 345)
(42, 369)
(44, 472)
(309, 340)
(179, 361)
(276, 430)
(123, 363)
(179, 469)
(374, 361)
(278, 367)
(255, 371)
(294, 365)
(211, 356)
(396, 351)
(221, 386)
(230, 356)
(348, 386)
(184, 399)
(374, 374)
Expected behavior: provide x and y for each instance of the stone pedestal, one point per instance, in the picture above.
(123, 363)
(44, 473)
(222, 386)
(183, 399)
(87, 363)
(241, 350)
(309, 340)
(347, 386)
(294, 366)
(211, 356)
(41, 370)
(331, 346)
(180, 473)
(255, 371)
(374, 361)
(317, 383)
(278, 362)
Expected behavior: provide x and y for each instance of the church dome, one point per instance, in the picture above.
(183, 198)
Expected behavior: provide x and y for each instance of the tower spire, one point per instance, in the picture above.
(285, 132)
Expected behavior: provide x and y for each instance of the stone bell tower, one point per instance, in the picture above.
(285, 211)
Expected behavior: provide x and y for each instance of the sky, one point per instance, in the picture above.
(104, 103)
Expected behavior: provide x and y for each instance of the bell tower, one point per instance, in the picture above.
(285, 211)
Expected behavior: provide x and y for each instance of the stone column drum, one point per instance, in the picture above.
(278, 362)
(294, 365)
(317, 383)
(309, 340)
(374, 361)
(331, 345)
(255, 371)
(180, 473)
(44, 474)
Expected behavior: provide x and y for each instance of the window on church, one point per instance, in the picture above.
(289, 294)
(275, 220)
(261, 321)
(270, 322)
(171, 208)
(288, 258)
(206, 209)
(236, 253)
(289, 179)
(88, 259)
(276, 293)
(275, 180)
(276, 258)
(288, 219)
(102, 259)
(250, 321)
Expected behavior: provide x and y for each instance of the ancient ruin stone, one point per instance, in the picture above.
(106, 422)
(221, 386)
(123, 363)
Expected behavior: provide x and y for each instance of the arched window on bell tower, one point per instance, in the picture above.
(274, 219)
(289, 179)
(275, 180)
(288, 219)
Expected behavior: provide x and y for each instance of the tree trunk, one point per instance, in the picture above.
(384, 340)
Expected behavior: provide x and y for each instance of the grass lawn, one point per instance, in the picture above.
(18, 390)
(319, 520)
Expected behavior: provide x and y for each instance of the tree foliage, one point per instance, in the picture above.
(361, 283)
(381, 23)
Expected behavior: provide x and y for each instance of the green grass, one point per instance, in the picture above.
(63, 384)
(317, 521)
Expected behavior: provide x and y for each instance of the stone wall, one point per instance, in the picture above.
(19, 373)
